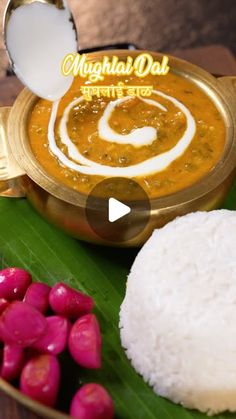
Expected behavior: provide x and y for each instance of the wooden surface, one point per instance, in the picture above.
(9, 409)
(216, 59)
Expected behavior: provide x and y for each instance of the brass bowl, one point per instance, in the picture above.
(22, 175)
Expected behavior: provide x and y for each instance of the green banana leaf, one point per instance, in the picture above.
(27, 241)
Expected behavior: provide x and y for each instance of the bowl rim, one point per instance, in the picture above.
(33, 405)
(217, 89)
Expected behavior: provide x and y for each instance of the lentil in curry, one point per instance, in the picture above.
(197, 160)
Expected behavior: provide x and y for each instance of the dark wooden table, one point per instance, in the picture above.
(216, 25)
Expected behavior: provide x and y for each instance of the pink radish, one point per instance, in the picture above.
(55, 339)
(3, 305)
(85, 342)
(21, 324)
(40, 379)
(92, 401)
(37, 295)
(12, 362)
(68, 302)
(14, 283)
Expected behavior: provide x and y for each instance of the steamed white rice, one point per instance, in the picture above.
(178, 318)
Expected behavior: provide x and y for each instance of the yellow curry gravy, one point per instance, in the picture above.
(198, 159)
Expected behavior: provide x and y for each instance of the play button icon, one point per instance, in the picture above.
(118, 210)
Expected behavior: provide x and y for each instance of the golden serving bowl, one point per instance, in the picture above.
(22, 175)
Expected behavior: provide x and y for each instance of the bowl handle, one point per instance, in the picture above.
(10, 171)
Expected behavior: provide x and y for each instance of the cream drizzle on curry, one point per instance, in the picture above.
(166, 143)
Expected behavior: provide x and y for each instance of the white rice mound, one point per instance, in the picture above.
(178, 318)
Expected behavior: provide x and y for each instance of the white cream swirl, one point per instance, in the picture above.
(137, 137)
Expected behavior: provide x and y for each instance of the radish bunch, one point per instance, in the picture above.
(30, 341)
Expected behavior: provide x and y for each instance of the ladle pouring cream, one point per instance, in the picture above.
(38, 35)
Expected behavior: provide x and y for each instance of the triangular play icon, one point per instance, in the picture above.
(117, 210)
